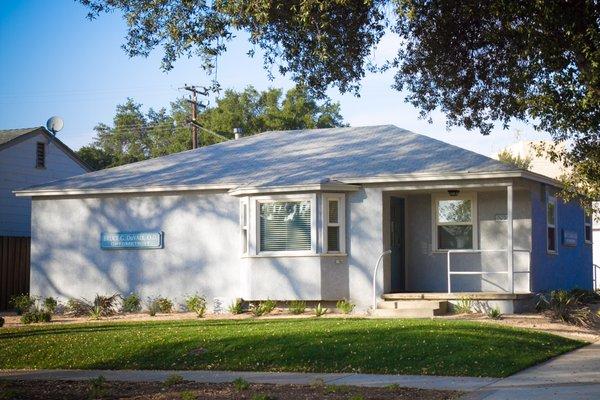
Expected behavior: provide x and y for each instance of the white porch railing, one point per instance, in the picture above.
(509, 271)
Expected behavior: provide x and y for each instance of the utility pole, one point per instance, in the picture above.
(194, 105)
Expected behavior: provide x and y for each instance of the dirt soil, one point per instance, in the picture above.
(66, 390)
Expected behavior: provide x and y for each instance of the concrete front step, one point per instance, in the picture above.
(407, 304)
(406, 312)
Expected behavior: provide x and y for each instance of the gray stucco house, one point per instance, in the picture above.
(307, 215)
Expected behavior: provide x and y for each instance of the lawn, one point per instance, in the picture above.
(431, 347)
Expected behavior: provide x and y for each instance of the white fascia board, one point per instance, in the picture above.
(321, 187)
(149, 189)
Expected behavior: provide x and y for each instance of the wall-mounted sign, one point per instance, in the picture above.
(501, 217)
(569, 238)
(131, 240)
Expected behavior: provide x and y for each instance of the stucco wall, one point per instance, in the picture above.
(572, 266)
(17, 171)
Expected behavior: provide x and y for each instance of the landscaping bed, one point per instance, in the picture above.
(424, 347)
(66, 390)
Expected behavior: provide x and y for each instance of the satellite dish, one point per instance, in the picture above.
(55, 124)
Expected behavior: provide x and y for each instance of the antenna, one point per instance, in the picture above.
(55, 124)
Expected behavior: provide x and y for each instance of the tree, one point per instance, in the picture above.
(135, 135)
(479, 62)
(515, 160)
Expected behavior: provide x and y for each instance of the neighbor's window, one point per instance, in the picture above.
(587, 223)
(285, 225)
(455, 223)
(40, 157)
(244, 225)
(333, 217)
(551, 223)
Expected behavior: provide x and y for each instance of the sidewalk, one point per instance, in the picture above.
(414, 381)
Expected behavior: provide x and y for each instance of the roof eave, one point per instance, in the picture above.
(127, 190)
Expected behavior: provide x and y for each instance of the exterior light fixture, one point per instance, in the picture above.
(453, 192)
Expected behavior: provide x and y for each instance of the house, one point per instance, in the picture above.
(28, 157)
(307, 215)
(544, 166)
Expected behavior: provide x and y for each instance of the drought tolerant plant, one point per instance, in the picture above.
(132, 303)
(78, 307)
(240, 384)
(262, 397)
(34, 315)
(345, 306)
(463, 305)
(297, 307)
(107, 304)
(256, 310)
(197, 304)
(97, 387)
(585, 296)
(268, 306)
(560, 305)
(188, 395)
(165, 305)
(95, 313)
(237, 307)
(494, 313)
(320, 310)
(50, 304)
(172, 380)
(22, 303)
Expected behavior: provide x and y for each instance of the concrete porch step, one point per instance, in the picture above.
(406, 312)
(411, 304)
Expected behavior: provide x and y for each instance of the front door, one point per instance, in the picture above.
(397, 244)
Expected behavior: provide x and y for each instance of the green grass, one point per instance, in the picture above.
(431, 347)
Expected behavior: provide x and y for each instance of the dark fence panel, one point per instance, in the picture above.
(14, 268)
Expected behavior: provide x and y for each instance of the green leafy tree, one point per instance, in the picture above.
(520, 162)
(136, 135)
(480, 62)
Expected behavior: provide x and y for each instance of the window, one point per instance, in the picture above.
(40, 157)
(244, 225)
(285, 225)
(333, 223)
(454, 222)
(551, 224)
(587, 226)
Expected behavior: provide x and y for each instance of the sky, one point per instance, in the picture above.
(54, 61)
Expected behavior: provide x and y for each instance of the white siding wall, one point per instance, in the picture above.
(17, 171)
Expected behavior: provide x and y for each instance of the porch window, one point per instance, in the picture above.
(454, 223)
(587, 226)
(551, 224)
(244, 225)
(333, 223)
(285, 225)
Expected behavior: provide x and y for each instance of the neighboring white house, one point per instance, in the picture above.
(306, 215)
(542, 165)
(29, 157)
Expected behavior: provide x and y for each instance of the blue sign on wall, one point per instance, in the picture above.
(131, 240)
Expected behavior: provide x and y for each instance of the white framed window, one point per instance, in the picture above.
(551, 242)
(334, 224)
(455, 222)
(286, 224)
(587, 227)
(244, 218)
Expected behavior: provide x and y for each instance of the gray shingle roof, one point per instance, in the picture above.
(292, 158)
(6, 135)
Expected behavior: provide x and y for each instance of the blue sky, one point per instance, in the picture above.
(54, 61)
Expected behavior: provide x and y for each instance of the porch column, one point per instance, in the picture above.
(509, 247)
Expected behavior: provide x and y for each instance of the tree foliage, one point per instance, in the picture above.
(136, 135)
(515, 160)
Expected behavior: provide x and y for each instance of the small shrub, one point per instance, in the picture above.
(188, 395)
(560, 305)
(78, 307)
(95, 313)
(262, 397)
(35, 315)
(165, 305)
(268, 306)
(172, 380)
(256, 310)
(393, 386)
(107, 304)
(345, 306)
(197, 304)
(1, 322)
(50, 304)
(237, 307)
(132, 303)
(320, 310)
(97, 387)
(297, 307)
(585, 296)
(494, 313)
(22, 303)
(153, 307)
(463, 305)
(357, 397)
(241, 384)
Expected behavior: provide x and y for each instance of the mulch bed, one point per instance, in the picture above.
(66, 390)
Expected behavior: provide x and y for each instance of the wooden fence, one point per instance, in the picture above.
(14, 268)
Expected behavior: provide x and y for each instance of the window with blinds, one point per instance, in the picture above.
(285, 226)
